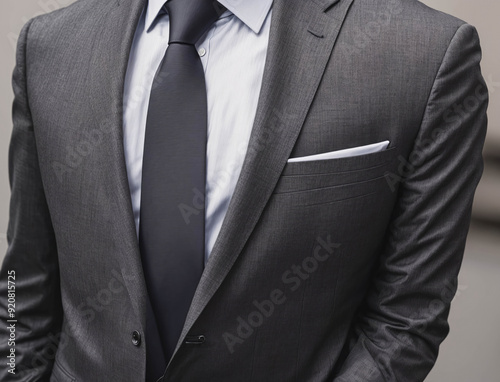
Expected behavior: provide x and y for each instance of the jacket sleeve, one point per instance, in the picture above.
(29, 277)
(404, 318)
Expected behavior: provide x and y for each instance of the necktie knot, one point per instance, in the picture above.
(189, 19)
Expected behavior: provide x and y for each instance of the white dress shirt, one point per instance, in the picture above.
(233, 54)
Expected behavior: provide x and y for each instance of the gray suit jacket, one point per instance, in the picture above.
(334, 270)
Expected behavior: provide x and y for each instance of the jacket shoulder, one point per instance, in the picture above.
(71, 19)
(422, 13)
(408, 18)
(407, 29)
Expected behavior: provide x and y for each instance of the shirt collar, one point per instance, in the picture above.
(251, 12)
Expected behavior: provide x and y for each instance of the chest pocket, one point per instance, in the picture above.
(321, 181)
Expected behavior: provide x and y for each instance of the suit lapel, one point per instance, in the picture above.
(114, 34)
(301, 30)
(302, 37)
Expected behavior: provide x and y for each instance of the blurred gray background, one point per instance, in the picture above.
(472, 351)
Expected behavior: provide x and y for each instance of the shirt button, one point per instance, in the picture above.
(202, 52)
(136, 338)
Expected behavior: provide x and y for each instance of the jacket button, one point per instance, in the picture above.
(136, 338)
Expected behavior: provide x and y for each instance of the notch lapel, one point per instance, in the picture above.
(302, 37)
(114, 34)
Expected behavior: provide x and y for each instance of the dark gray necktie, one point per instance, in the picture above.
(171, 235)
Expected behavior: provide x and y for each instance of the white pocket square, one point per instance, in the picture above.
(352, 152)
